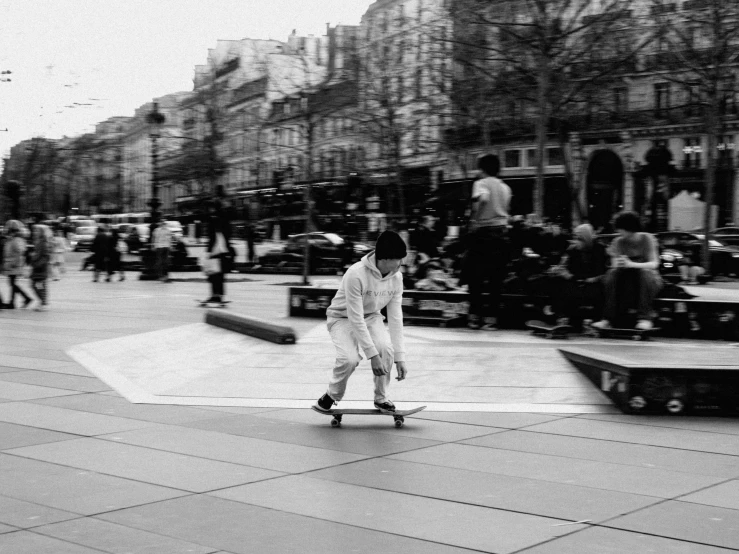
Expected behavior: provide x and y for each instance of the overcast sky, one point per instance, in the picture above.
(77, 62)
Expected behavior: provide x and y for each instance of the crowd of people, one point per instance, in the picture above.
(499, 254)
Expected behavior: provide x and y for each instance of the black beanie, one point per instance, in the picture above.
(390, 246)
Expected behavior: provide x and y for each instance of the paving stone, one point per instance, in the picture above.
(601, 540)
(241, 528)
(701, 463)
(600, 475)
(490, 419)
(24, 542)
(118, 539)
(719, 443)
(684, 521)
(21, 391)
(56, 380)
(726, 425)
(724, 495)
(277, 456)
(556, 500)
(5, 529)
(168, 469)
(59, 419)
(23, 514)
(14, 436)
(427, 519)
(114, 405)
(368, 442)
(74, 490)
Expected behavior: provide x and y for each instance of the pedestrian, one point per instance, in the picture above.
(59, 247)
(114, 256)
(99, 250)
(3, 305)
(633, 281)
(217, 259)
(356, 325)
(488, 251)
(14, 261)
(162, 242)
(250, 253)
(40, 262)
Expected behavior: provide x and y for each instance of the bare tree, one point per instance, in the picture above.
(700, 46)
(539, 61)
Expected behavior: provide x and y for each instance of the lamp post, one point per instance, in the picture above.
(148, 257)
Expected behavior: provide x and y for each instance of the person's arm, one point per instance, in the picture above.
(395, 326)
(652, 256)
(480, 198)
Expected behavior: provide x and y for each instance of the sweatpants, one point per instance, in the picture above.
(348, 355)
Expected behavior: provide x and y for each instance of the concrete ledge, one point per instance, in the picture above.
(251, 326)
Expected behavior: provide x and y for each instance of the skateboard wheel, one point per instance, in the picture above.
(637, 403)
(398, 423)
(675, 406)
(335, 422)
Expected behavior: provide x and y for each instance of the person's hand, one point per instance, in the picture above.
(377, 367)
(626, 262)
(402, 371)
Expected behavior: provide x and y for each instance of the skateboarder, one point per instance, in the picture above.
(355, 322)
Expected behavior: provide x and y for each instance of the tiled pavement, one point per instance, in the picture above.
(83, 470)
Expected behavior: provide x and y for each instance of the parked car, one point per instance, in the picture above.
(328, 250)
(82, 238)
(726, 235)
(675, 244)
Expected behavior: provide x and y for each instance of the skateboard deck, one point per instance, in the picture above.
(398, 415)
(549, 331)
(625, 333)
(204, 303)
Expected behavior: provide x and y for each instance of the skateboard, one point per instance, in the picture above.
(624, 333)
(541, 328)
(398, 415)
(204, 303)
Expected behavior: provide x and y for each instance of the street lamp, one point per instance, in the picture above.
(155, 119)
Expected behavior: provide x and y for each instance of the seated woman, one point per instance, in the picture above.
(633, 280)
(576, 281)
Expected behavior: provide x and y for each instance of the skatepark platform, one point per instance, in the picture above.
(663, 378)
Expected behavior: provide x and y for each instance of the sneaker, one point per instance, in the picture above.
(27, 302)
(490, 324)
(324, 403)
(644, 325)
(473, 322)
(386, 406)
(602, 324)
(562, 321)
(41, 308)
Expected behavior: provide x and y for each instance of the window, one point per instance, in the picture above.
(693, 105)
(512, 158)
(725, 147)
(555, 156)
(692, 151)
(661, 99)
(531, 157)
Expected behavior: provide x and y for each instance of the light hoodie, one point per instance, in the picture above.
(363, 292)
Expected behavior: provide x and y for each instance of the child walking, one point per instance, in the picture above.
(355, 322)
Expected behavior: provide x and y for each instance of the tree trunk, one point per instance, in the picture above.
(542, 122)
(710, 180)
